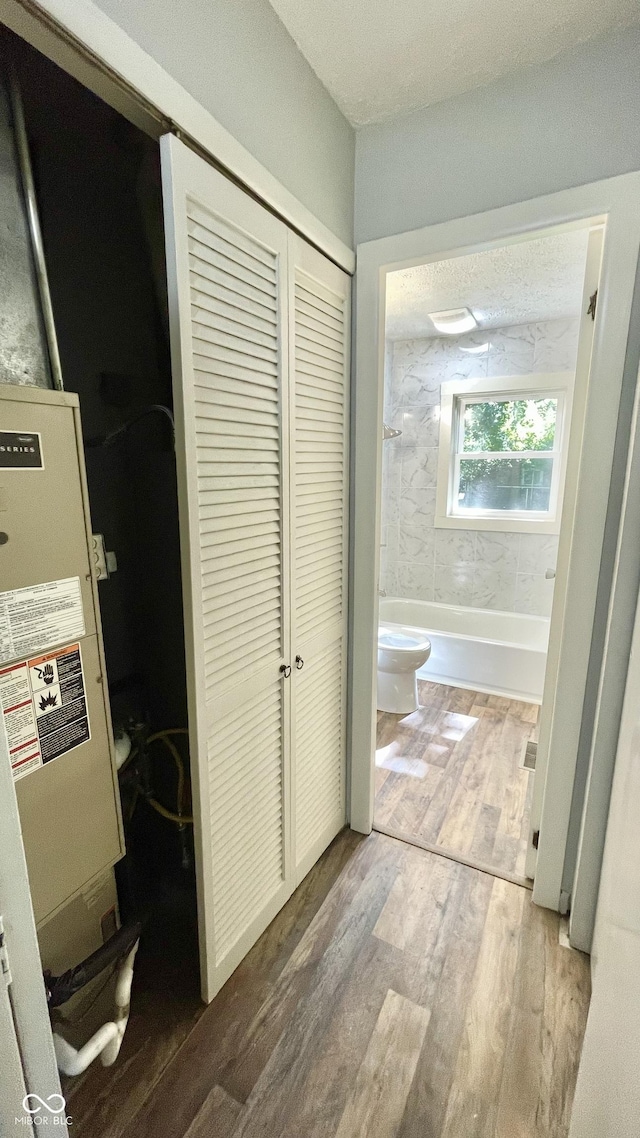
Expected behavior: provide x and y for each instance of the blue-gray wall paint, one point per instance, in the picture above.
(237, 59)
(567, 122)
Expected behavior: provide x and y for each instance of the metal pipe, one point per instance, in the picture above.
(26, 171)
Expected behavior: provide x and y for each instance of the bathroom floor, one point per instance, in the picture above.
(450, 775)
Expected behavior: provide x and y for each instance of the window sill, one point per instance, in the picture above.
(497, 525)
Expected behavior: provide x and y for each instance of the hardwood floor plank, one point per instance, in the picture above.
(507, 786)
(410, 808)
(530, 712)
(484, 836)
(434, 695)
(217, 1116)
(430, 967)
(386, 727)
(216, 1041)
(310, 961)
(381, 775)
(500, 702)
(472, 1104)
(520, 1094)
(436, 891)
(379, 1096)
(566, 1002)
(329, 1079)
(513, 830)
(310, 1098)
(459, 822)
(436, 813)
(547, 1025)
(275, 1096)
(411, 916)
(393, 790)
(504, 763)
(523, 843)
(427, 1102)
(460, 700)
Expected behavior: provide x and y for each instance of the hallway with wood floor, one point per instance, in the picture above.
(450, 775)
(397, 995)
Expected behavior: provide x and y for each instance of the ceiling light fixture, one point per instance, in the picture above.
(453, 321)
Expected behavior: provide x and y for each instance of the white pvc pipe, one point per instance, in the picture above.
(107, 1040)
(122, 749)
(72, 1062)
(122, 998)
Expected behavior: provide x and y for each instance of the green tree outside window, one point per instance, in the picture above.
(510, 428)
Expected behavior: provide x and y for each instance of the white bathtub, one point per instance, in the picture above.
(503, 653)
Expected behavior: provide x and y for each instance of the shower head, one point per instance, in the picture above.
(390, 432)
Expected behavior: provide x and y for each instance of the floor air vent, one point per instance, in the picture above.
(529, 753)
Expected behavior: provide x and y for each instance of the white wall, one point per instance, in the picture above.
(237, 59)
(564, 123)
(607, 1101)
(462, 567)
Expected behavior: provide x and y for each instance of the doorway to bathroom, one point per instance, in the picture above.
(486, 365)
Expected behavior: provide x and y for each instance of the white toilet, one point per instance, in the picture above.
(401, 651)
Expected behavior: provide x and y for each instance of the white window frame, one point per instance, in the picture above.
(455, 396)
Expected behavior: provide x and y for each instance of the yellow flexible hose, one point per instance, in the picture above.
(164, 736)
(180, 819)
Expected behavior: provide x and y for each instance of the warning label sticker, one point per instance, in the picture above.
(44, 707)
(36, 618)
(20, 720)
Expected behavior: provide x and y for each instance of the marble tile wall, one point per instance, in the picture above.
(467, 567)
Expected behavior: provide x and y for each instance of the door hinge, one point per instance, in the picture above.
(593, 302)
(535, 838)
(5, 971)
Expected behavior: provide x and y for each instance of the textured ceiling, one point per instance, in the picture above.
(380, 58)
(521, 283)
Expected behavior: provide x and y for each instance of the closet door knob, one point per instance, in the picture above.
(285, 670)
(299, 662)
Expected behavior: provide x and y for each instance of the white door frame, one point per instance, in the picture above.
(552, 709)
(618, 199)
(608, 708)
(28, 1003)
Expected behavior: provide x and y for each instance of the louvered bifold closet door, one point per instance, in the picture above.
(319, 353)
(228, 296)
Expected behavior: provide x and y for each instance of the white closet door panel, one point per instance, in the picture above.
(244, 757)
(228, 290)
(319, 753)
(319, 363)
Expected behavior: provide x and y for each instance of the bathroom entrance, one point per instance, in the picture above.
(487, 359)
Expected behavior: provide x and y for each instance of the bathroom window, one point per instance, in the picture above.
(502, 453)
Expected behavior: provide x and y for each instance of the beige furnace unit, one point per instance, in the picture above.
(53, 687)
